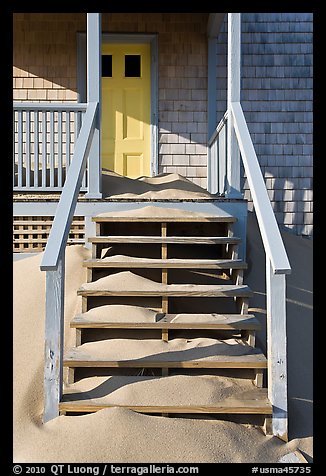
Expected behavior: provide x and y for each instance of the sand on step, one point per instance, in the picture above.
(158, 350)
(121, 281)
(153, 212)
(204, 390)
(120, 313)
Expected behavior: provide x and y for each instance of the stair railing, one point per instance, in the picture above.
(277, 266)
(53, 263)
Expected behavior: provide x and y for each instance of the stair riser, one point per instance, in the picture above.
(174, 365)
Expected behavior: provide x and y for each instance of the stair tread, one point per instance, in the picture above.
(135, 262)
(168, 239)
(186, 353)
(126, 283)
(213, 394)
(161, 214)
(124, 316)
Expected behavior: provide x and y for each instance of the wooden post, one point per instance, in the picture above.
(276, 350)
(90, 231)
(234, 62)
(94, 95)
(54, 325)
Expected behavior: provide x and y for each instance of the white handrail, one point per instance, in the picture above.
(66, 206)
(270, 232)
(46, 106)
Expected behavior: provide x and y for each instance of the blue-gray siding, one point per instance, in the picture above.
(276, 97)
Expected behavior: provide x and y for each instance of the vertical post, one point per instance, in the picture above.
(94, 95)
(211, 85)
(90, 231)
(36, 145)
(222, 158)
(54, 325)
(211, 113)
(20, 148)
(28, 149)
(276, 350)
(234, 63)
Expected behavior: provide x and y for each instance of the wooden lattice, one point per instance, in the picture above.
(30, 233)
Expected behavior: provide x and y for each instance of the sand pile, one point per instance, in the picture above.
(172, 186)
(120, 282)
(160, 391)
(202, 348)
(156, 211)
(112, 435)
(120, 313)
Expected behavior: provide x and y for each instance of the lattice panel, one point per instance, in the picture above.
(30, 233)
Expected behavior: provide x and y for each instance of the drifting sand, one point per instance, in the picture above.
(120, 313)
(120, 435)
(121, 281)
(154, 391)
(152, 211)
(157, 350)
(172, 186)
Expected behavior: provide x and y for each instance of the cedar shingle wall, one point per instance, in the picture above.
(276, 98)
(45, 65)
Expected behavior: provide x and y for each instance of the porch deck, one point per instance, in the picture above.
(115, 187)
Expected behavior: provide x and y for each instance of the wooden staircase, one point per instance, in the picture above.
(165, 327)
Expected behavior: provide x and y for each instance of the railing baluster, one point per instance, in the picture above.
(222, 159)
(28, 150)
(51, 149)
(59, 149)
(14, 147)
(20, 149)
(44, 148)
(84, 181)
(36, 151)
(75, 127)
(68, 119)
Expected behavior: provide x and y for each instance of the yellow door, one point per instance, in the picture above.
(126, 109)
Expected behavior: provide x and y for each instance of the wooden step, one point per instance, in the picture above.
(183, 240)
(177, 353)
(162, 214)
(130, 317)
(126, 283)
(174, 394)
(121, 261)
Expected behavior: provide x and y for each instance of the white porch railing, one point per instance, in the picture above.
(277, 266)
(217, 158)
(53, 263)
(44, 140)
(277, 263)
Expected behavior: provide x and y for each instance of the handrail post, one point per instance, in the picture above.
(94, 95)
(234, 62)
(54, 326)
(276, 350)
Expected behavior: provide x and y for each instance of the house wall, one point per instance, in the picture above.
(276, 97)
(45, 66)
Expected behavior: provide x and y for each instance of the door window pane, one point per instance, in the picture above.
(132, 66)
(107, 66)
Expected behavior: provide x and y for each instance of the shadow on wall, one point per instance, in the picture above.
(291, 199)
(299, 320)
